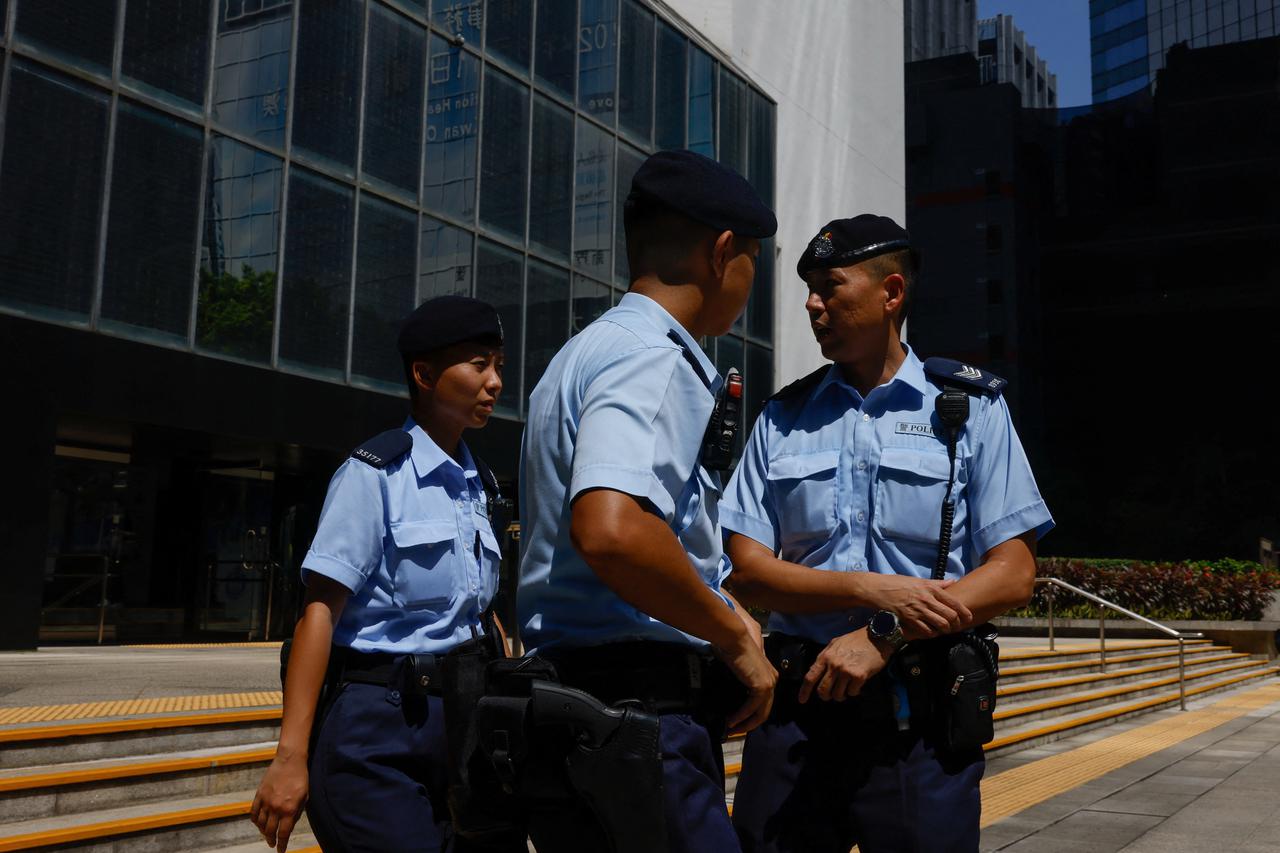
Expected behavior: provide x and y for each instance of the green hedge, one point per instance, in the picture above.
(1218, 589)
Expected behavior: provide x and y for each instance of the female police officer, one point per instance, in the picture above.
(403, 564)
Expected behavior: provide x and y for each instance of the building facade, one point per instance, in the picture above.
(213, 215)
(933, 28)
(1129, 39)
(1005, 56)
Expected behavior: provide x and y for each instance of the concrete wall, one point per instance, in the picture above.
(835, 70)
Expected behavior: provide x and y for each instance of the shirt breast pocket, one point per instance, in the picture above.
(424, 563)
(803, 488)
(910, 488)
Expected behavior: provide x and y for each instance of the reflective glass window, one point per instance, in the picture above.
(702, 102)
(735, 111)
(4, 23)
(635, 72)
(393, 100)
(459, 17)
(327, 89)
(504, 166)
(385, 289)
(55, 142)
(546, 319)
(251, 68)
(669, 99)
(629, 160)
(760, 303)
(597, 58)
(166, 47)
(445, 260)
(554, 51)
(757, 378)
(551, 181)
(453, 115)
(240, 242)
(151, 229)
(761, 147)
(509, 31)
(83, 33)
(590, 300)
(316, 300)
(593, 201)
(499, 281)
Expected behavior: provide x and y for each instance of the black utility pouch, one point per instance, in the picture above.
(968, 695)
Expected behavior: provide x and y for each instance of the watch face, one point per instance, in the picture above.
(883, 623)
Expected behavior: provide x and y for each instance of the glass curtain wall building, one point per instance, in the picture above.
(1129, 38)
(257, 191)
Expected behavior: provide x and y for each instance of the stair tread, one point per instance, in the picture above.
(1007, 734)
(1091, 648)
(20, 732)
(303, 842)
(17, 778)
(1005, 709)
(1114, 674)
(1192, 654)
(105, 819)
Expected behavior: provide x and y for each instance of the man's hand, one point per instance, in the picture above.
(925, 608)
(749, 665)
(280, 799)
(843, 667)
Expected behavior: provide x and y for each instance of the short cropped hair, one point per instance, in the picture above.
(661, 238)
(905, 263)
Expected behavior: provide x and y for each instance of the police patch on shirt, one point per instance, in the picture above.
(904, 428)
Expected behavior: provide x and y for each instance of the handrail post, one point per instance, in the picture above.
(1182, 673)
(1052, 586)
(1102, 638)
(102, 599)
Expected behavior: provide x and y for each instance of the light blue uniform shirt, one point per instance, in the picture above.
(412, 542)
(622, 406)
(833, 481)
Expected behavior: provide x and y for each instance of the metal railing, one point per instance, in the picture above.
(1103, 604)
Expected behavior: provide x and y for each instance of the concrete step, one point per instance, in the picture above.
(299, 842)
(1016, 672)
(31, 793)
(30, 745)
(1075, 652)
(1072, 682)
(1014, 734)
(191, 823)
(1039, 709)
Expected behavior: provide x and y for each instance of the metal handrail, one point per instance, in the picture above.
(1180, 636)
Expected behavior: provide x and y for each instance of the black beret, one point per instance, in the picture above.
(845, 242)
(448, 320)
(705, 191)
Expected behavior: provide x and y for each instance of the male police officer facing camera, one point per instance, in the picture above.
(835, 513)
(622, 558)
(403, 564)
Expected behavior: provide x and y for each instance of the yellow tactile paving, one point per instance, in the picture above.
(272, 644)
(1012, 791)
(131, 707)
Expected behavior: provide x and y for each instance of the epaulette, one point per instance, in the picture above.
(801, 386)
(946, 371)
(689, 356)
(384, 448)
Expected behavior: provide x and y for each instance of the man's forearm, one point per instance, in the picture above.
(308, 662)
(1005, 580)
(636, 555)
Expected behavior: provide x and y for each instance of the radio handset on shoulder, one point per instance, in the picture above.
(952, 406)
(722, 430)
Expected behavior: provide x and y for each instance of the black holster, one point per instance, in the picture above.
(951, 685)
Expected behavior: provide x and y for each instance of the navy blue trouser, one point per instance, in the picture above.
(379, 775)
(815, 780)
(692, 792)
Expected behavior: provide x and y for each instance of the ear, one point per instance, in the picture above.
(895, 292)
(423, 377)
(722, 252)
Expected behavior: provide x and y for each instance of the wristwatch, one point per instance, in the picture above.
(884, 626)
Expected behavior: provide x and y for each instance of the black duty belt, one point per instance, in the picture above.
(662, 678)
(416, 674)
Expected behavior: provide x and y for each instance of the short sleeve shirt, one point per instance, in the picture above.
(835, 481)
(623, 406)
(412, 542)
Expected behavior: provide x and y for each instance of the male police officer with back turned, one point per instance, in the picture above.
(622, 556)
(836, 513)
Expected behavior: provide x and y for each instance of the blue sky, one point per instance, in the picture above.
(1059, 29)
